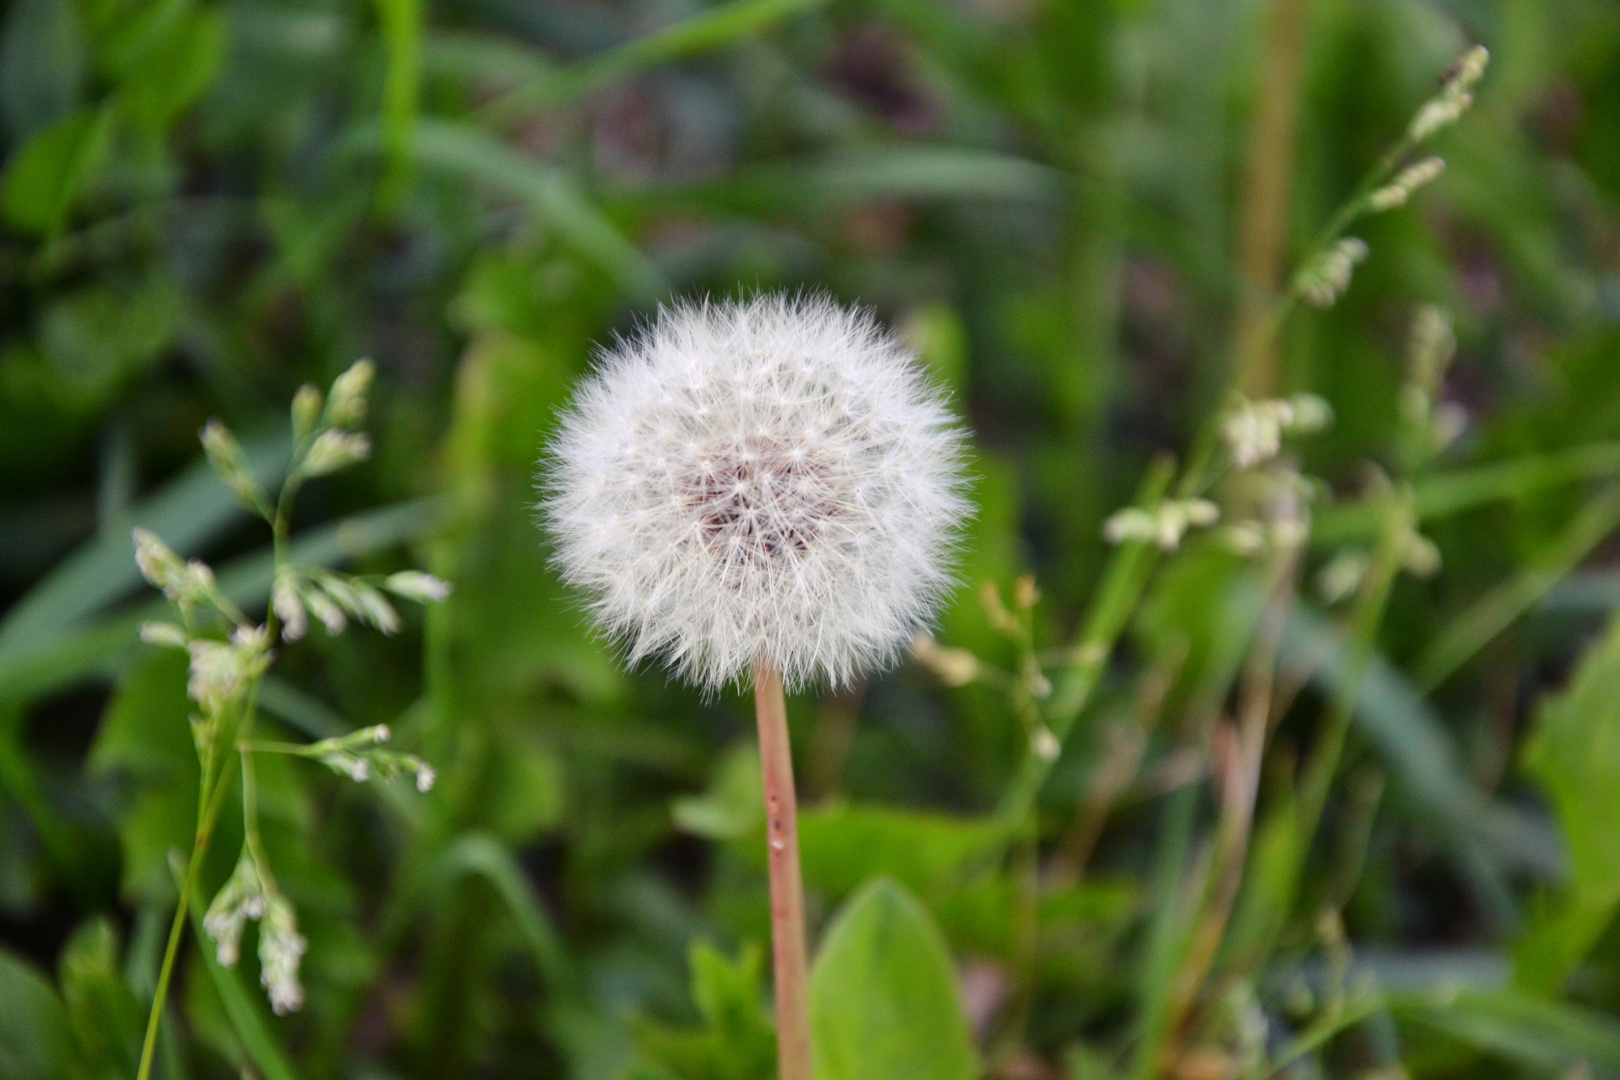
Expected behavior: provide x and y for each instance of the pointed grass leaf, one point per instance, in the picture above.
(1574, 753)
(883, 997)
(188, 513)
(1550, 1037)
(464, 151)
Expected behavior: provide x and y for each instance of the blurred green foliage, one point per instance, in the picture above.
(205, 204)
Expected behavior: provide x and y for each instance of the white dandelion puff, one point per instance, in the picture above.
(771, 481)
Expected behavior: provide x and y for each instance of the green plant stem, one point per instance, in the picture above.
(1365, 619)
(791, 966)
(216, 787)
(1122, 584)
(1492, 613)
(1239, 790)
(1263, 234)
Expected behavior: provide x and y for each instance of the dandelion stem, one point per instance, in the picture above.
(787, 888)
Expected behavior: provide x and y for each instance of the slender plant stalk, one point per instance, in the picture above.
(214, 788)
(1263, 235)
(1239, 790)
(1365, 619)
(792, 968)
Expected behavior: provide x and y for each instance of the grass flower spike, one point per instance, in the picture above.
(766, 486)
(768, 480)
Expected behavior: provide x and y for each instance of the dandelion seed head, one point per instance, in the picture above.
(770, 480)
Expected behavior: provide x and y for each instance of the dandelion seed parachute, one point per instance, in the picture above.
(771, 480)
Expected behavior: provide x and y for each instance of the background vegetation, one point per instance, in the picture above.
(1069, 207)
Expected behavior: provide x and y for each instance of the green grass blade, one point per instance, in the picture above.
(1394, 717)
(471, 154)
(1440, 495)
(1494, 612)
(68, 658)
(482, 856)
(700, 33)
(189, 513)
(906, 172)
(401, 23)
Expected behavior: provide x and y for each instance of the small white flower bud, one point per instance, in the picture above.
(166, 634)
(1322, 281)
(160, 566)
(1169, 522)
(425, 778)
(1468, 69)
(240, 899)
(322, 607)
(347, 404)
(1421, 556)
(1310, 414)
(1201, 512)
(289, 607)
(1387, 197)
(1244, 537)
(225, 457)
(1342, 575)
(306, 412)
(953, 667)
(1045, 744)
(377, 610)
(334, 450)
(1432, 347)
(1437, 113)
(1450, 420)
(1129, 524)
(415, 585)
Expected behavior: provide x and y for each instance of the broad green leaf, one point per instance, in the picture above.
(1574, 753)
(843, 846)
(107, 1019)
(176, 68)
(35, 1036)
(733, 807)
(45, 176)
(883, 997)
(737, 1040)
